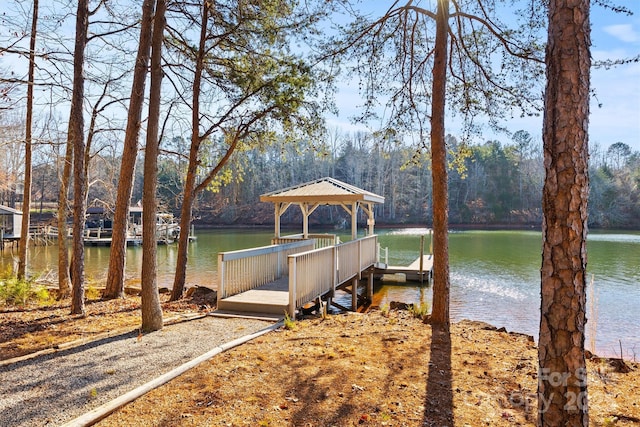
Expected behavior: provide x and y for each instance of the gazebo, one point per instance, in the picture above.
(324, 191)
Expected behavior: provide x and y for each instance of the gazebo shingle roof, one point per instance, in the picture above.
(323, 190)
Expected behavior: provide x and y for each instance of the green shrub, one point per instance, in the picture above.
(92, 293)
(384, 310)
(42, 295)
(419, 310)
(18, 292)
(289, 323)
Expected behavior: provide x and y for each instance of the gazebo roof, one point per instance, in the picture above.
(324, 191)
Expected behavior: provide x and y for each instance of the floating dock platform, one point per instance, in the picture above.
(420, 270)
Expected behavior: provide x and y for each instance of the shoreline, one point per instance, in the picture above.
(537, 226)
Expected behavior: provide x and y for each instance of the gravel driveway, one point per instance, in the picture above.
(55, 388)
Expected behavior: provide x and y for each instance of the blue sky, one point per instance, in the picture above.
(617, 119)
(614, 36)
(618, 90)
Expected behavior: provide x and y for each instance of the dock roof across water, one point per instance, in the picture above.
(6, 210)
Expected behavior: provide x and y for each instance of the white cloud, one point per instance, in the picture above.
(623, 32)
(615, 112)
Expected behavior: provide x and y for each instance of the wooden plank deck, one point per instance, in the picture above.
(271, 298)
(308, 273)
(410, 272)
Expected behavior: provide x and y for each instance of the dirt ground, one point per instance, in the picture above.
(30, 329)
(383, 368)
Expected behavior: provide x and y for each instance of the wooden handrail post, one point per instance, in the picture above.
(292, 286)
(335, 270)
(359, 259)
(421, 258)
(220, 277)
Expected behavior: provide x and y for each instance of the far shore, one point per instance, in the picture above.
(47, 217)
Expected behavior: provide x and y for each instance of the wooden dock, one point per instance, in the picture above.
(269, 299)
(420, 270)
(106, 241)
(280, 279)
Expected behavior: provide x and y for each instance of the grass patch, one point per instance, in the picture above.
(289, 323)
(419, 310)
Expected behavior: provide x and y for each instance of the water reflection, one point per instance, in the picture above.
(387, 292)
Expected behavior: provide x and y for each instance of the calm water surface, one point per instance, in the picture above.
(495, 275)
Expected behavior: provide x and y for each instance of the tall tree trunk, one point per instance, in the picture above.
(562, 386)
(26, 195)
(115, 276)
(180, 276)
(151, 309)
(190, 181)
(76, 134)
(440, 310)
(64, 281)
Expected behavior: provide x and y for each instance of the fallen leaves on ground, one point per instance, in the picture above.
(373, 369)
(32, 328)
(379, 368)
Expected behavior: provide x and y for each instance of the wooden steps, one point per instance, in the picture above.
(247, 315)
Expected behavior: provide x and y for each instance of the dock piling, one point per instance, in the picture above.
(421, 259)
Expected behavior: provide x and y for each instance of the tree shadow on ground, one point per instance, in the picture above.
(438, 406)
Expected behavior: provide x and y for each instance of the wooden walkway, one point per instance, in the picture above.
(414, 272)
(268, 301)
(278, 280)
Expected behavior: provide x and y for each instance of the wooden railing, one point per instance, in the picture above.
(368, 251)
(383, 254)
(355, 256)
(240, 271)
(97, 233)
(316, 272)
(322, 240)
(311, 274)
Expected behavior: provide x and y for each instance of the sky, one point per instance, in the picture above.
(614, 113)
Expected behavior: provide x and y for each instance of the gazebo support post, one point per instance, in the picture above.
(354, 221)
(305, 220)
(280, 209)
(277, 219)
(307, 210)
(368, 209)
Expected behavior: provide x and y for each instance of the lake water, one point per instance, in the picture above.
(495, 276)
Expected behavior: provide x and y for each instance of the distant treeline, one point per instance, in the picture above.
(490, 184)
